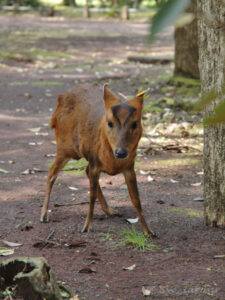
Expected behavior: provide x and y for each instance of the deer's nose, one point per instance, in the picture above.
(121, 153)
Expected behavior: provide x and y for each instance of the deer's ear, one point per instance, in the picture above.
(137, 102)
(109, 98)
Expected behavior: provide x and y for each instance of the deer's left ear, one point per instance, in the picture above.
(137, 102)
(109, 98)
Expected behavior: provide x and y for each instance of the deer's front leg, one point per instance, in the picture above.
(131, 181)
(93, 178)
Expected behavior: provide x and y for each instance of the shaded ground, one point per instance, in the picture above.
(40, 58)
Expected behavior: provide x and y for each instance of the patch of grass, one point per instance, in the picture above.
(137, 240)
(192, 213)
(46, 83)
(187, 211)
(107, 236)
(177, 210)
(66, 68)
(36, 83)
(151, 108)
(185, 86)
(77, 167)
(185, 81)
(47, 54)
(188, 91)
(11, 55)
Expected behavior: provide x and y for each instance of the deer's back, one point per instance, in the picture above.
(77, 119)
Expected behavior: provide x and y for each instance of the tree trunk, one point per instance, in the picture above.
(186, 46)
(212, 70)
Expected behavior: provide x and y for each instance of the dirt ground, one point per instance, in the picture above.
(42, 57)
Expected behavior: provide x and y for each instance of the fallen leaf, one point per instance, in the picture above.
(72, 188)
(79, 243)
(64, 292)
(27, 172)
(196, 184)
(143, 172)
(145, 291)
(199, 199)
(11, 244)
(38, 170)
(150, 178)
(132, 221)
(200, 173)
(28, 95)
(11, 162)
(41, 133)
(74, 298)
(50, 155)
(160, 202)
(173, 181)
(6, 251)
(3, 171)
(131, 268)
(87, 270)
(219, 256)
(37, 129)
(185, 133)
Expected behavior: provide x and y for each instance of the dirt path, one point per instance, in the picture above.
(40, 58)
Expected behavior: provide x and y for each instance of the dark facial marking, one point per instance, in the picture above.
(118, 108)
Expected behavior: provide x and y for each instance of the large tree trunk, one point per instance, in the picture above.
(212, 70)
(186, 46)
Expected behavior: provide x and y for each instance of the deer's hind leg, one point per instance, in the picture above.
(59, 163)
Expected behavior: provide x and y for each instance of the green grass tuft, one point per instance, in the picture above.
(137, 240)
(77, 167)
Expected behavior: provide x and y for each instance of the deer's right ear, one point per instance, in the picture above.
(109, 98)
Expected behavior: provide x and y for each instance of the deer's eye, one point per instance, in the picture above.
(134, 125)
(110, 124)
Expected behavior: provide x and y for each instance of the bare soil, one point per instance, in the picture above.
(183, 266)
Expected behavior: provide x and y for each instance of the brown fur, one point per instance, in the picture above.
(97, 129)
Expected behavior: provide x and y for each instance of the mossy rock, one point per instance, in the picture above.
(32, 277)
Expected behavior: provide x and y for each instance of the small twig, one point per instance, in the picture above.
(71, 204)
(122, 95)
(50, 235)
(8, 294)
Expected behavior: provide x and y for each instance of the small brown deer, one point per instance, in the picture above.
(106, 133)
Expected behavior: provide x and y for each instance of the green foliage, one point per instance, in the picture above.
(180, 81)
(107, 236)
(77, 167)
(188, 87)
(33, 3)
(137, 240)
(167, 14)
